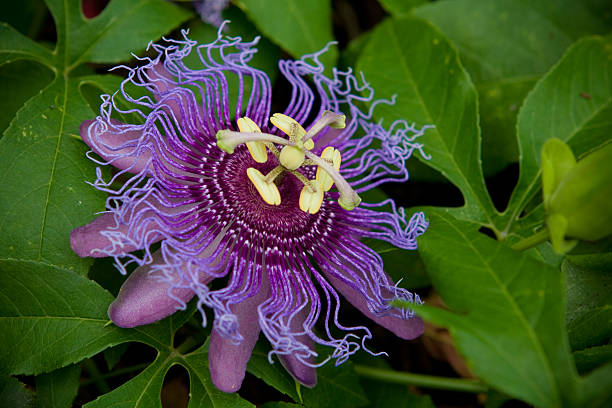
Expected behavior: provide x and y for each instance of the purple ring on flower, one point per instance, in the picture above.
(175, 188)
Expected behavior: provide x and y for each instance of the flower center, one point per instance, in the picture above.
(294, 154)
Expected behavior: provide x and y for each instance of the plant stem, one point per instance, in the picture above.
(187, 345)
(115, 373)
(95, 376)
(531, 241)
(421, 380)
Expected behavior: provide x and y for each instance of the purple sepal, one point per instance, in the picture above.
(227, 359)
(305, 374)
(145, 298)
(94, 239)
(408, 329)
(116, 145)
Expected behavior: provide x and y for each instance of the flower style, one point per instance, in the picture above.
(208, 184)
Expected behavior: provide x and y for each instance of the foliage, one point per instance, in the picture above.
(496, 79)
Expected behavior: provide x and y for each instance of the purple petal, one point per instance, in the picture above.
(144, 298)
(115, 145)
(305, 374)
(227, 361)
(405, 329)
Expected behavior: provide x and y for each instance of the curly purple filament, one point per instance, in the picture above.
(175, 187)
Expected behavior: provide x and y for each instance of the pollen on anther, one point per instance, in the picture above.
(311, 198)
(256, 149)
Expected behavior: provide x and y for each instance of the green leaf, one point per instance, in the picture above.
(337, 386)
(20, 81)
(144, 389)
(124, 26)
(43, 170)
(589, 304)
(350, 55)
(279, 404)
(499, 103)
(15, 46)
(51, 317)
(506, 46)
(27, 16)
(401, 7)
(573, 102)
(57, 389)
(386, 394)
(14, 393)
(424, 71)
(597, 387)
(593, 357)
(507, 312)
(383, 395)
(299, 27)
(127, 26)
(272, 374)
(500, 39)
(113, 355)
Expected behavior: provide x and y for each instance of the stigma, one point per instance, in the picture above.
(292, 153)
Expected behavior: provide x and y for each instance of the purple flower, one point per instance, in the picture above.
(205, 177)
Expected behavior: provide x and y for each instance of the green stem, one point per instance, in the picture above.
(95, 376)
(532, 241)
(115, 373)
(187, 345)
(421, 380)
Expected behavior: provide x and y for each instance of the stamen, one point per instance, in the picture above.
(257, 149)
(311, 198)
(291, 128)
(329, 118)
(227, 140)
(348, 197)
(332, 156)
(268, 191)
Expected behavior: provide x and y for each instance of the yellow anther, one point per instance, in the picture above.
(267, 191)
(289, 126)
(257, 149)
(291, 157)
(311, 198)
(330, 155)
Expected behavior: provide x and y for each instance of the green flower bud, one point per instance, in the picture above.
(577, 195)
